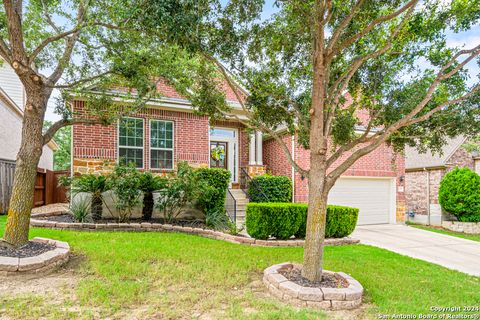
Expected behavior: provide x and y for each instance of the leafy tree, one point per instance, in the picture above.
(70, 45)
(346, 76)
(63, 138)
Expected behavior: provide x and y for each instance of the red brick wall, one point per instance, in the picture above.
(100, 142)
(275, 158)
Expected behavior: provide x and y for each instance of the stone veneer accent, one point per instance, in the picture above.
(256, 170)
(319, 298)
(465, 227)
(93, 166)
(45, 262)
(159, 227)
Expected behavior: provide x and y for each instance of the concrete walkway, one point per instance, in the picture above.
(451, 252)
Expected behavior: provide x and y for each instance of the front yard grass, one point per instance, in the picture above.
(474, 237)
(179, 276)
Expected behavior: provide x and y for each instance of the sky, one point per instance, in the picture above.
(466, 39)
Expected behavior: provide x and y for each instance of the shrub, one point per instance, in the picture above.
(279, 220)
(148, 184)
(341, 222)
(284, 220)
(182, 189)
(96, 186)
(217, 220)
(268, 188)
(216, 180)
(80, 210)
(125, 183)
(459, 194)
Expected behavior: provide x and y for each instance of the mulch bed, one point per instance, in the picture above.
(31, 249)
(328, 280)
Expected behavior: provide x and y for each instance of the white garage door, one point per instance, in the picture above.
(372, 196)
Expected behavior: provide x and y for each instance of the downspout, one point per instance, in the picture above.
(293, 169)
(428, 196)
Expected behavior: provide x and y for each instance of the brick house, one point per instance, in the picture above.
(423, 173)
(168, 131)
(157, 137)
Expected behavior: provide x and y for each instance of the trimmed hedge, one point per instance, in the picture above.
(284, 220)
(459, 194)
(268, 188)
(217, 179)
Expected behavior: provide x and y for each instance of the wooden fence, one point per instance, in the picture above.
(7, 168)
(46, 191)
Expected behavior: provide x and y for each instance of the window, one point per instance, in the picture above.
(161, 144)
(226, 133)
(130, 141)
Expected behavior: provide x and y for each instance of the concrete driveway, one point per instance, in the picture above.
(451, 252)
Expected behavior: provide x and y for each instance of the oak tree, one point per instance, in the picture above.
(391, 57)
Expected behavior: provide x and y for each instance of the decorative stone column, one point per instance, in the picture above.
(251, 150)
(255, 164)
(259, 143)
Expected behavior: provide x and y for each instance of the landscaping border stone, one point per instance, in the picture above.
(465, 227)
(318, 298)
(159, 227)
(41, 263)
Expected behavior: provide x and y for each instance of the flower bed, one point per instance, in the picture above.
(159, 227)
(325, 298)
(41, 263)
(459, 226)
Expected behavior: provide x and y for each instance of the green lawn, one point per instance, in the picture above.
(172, 275)
(474, 237)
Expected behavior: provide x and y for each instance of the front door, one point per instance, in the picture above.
(219, 154)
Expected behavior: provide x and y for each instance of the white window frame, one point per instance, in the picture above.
(162, 149)
(128, 147)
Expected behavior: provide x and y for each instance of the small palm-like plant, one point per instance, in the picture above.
(96, 186)
(148, 184)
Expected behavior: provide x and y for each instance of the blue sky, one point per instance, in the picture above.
(465, 39)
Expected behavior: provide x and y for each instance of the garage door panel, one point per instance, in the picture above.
(372, 196)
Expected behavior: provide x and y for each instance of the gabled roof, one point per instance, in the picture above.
(417, 160)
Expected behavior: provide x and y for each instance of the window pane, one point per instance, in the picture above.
(161, 159)
(127, 156)
(131, 133)
(161, 134)
(222, 133)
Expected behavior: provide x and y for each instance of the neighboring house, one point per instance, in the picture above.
(168, 131)
(424, 171)
(12, 100)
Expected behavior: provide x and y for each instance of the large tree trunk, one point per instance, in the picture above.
(316, 219)
(21, 201)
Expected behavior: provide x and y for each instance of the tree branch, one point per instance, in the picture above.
(13, 10)
(50, 133)
(371, 26)
(70, 42)
(79, 82)
(51, 39)
(5, 52)
(341, 27)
